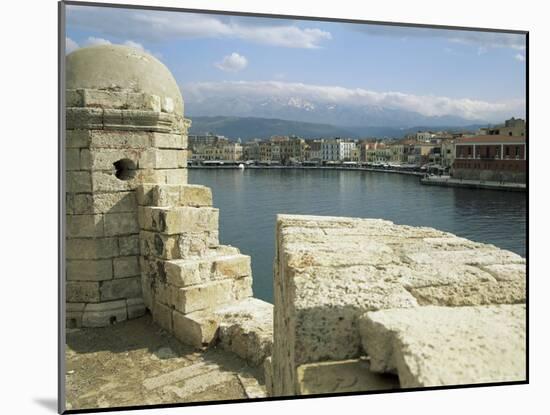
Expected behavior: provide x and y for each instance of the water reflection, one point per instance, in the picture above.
(250, 199)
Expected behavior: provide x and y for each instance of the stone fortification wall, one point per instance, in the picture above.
(358, 301)
(490, 175)
(119, 134)
(196, 288)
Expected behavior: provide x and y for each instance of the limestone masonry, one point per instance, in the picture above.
(425, 305)
(360, 304)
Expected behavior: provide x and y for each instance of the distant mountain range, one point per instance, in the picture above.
(350, 115)
(247, 128)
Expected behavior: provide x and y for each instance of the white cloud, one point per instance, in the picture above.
(92, 41)
(70, 45)
(232, 63)
(157, 25)
(519, 57)
(428, 105)
(133, 44)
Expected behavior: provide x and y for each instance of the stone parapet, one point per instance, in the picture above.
(330, 271)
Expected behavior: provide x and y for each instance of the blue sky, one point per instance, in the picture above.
(475, 75)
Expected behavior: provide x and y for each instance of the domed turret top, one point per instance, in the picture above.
(122, 68)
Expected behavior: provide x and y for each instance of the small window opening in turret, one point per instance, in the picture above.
(125, 169)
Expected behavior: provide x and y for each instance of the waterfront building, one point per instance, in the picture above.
(292, 149)
(447, 153)
(312, 151)
(420, 154)
(491, 158)
(514, 127)
(251, 150)
(356, 154)
(336, 150)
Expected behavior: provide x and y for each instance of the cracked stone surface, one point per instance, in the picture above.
(435, 346)
(329, 271)
(138, 363)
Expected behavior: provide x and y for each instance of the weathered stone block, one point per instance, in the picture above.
(77, 138)
(159, 245)
(341, 376)
(234, 266)
(96, 248)
(73, 314)
(120, 288)
(246, 329)
(120, 224)
(176, 220)
(118, 139)
(107, 182)
(72, 159)
(484, 293)
(104, 314)
(196, 329)
(127, 266)
(202, 296)
(154, 158)
(161, 140)
(84, 226)
(163, 316)
(89, 270)
(435, 346)
(78, 181)
(104, 203)
(174, 176)
(82, 292)
(84, 118)
(174, 195)
(507, 272)
(242, 288)
(105, 158)
(186, 272)
(163, 293)
(74, 98)
(113, 119)
(128, 245)
(119, 100)
(136, 307)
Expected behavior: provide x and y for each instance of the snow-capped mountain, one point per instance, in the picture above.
(306, 110)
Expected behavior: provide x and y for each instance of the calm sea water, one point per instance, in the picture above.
(249, 200)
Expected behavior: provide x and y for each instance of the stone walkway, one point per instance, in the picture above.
(138, 363)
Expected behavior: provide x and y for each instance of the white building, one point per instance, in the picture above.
(424, 136)
(336, 150)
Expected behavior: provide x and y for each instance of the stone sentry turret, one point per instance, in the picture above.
(125, 127)
(137, 235)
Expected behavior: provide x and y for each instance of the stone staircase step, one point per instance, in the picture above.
(174, 195)
(176, 220)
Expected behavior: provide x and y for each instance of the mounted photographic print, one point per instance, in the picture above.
(258, 206)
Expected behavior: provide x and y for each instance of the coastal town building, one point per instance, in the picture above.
(447, 153)
(313, 150)
(336, 150)
(514, 127)
(491, 158)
